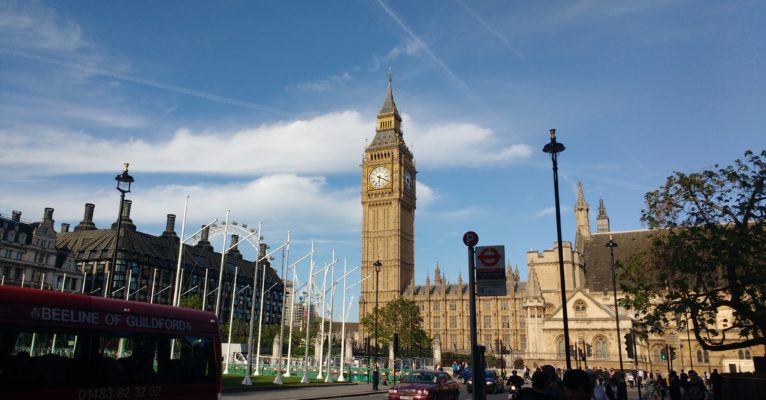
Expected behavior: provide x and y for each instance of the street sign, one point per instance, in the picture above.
(490, 262)
(490, 271)
(470, 238)
(491, 287)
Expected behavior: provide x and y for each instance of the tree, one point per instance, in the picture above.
(191, 301)
(400, 316)
(707, 256)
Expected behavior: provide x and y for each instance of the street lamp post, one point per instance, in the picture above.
(124, 180)
(554, 148)
(611, 244)
(375, 372)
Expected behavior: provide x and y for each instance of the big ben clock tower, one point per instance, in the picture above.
(388, 210)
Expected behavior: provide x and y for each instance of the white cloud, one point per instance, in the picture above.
(463, 144)
(283, 202)
(31, 26)
(324, 85)
(326, 144)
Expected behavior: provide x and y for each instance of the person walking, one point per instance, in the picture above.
(716, 381)
(674, 388)
(695, 389)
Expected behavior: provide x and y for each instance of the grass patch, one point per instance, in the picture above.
(265, 381)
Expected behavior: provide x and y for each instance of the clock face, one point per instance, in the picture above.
(408, 181)
(380, 177)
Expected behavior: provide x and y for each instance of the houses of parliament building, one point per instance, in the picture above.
(528, 322)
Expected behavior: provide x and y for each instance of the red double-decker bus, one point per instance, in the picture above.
(69, 346)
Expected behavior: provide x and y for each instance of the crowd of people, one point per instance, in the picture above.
(550, 383)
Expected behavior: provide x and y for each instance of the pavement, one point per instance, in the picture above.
(328, 391)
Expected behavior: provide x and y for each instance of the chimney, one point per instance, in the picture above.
(87, 220)
(234, 248)
(170, 224)
(127, 223)
(48, 215)
(64, 228)
(204, 243)
(16, 216)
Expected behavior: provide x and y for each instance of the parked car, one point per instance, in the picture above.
(425, 385)
(493, 383)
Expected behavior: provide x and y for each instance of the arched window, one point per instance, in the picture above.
(601, 347)
(740, 355)
(703, 356)
(747, 354)
(579, 308)
(560, 348)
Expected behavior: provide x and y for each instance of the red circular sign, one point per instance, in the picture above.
(489, 257)
(470, 238)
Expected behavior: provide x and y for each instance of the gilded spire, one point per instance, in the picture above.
(389, 106)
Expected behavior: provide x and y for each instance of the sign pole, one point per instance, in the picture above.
(470, 239)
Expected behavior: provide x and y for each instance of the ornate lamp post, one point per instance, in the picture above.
(124, 180)
(375, 372)
(611, 244)
(554, 148)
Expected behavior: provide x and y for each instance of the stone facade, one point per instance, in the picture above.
(29, 257)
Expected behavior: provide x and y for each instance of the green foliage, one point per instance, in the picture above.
(191, 301)
(707, 254)
(401, 316)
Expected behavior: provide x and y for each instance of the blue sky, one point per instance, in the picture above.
(264, 108)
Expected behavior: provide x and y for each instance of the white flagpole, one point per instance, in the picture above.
(63, 283)
(231, 319)
(341, 378)
(42, 281)
(321, 321)
(246, 380)
(343, 337)
(285, 263)
(292, 317)
(204, 292)
(154, 278)
(177, 294)
(127, 284)
(328, 379)
(305, 379)
(220, 270)
(84, 278)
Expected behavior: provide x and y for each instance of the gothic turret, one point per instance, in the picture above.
(602, 221)
(581, 213)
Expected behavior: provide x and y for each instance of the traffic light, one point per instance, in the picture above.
(672, 352)
(664, 354)
(396, 343)
(629, 345)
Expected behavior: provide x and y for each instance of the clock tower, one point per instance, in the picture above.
(388, 210)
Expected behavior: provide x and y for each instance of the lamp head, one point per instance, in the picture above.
(377, 264)
(554, 146)
(124, 180)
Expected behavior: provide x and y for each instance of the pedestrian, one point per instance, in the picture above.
(631, 378)
(674, 388)
(527, 378)
(661, 386)
(577, 385)
(538, 391)
(613, 389)
(716, 382)
(651, 389)
(695, 389)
